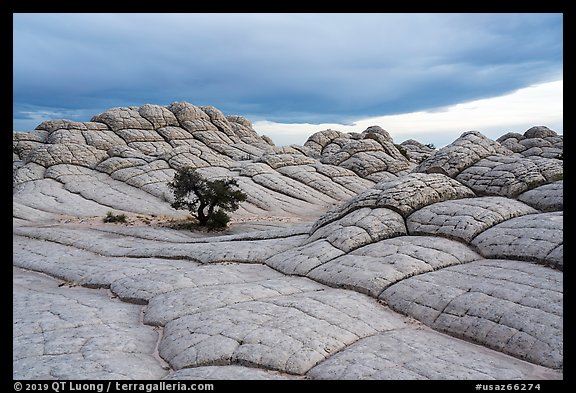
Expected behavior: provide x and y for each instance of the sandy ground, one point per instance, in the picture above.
(237, 225)
(175, 221)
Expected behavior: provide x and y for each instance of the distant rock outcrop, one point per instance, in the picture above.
(142, 147)
(371, 154)
(537, 141)
(349, 257)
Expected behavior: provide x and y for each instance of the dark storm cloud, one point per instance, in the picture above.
(280, 67)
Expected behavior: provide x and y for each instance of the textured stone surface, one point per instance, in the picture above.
(66, 153)
(464, 219)
(549, 197)
(143, 146)
(416, 151)
(514, 307)
(301, 260)
(361, 227)
(537, 141)
(290, 334)
(422, 354)
(371, 155)
(374, 267)
(105, 243)
(509, 176)
(123, 118)
(535, 237)
(172, 305)
(67, 333)
(50, 196)
(338, 186)
(100, 188)
(403, 195)
(464, 152)
(230, 373)
(342, 246)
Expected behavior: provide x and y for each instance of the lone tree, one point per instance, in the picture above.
(207, 200)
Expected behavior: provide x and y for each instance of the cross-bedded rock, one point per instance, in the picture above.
(422, 355)
(143, 146)
(232, 373)
(373, 268)
(286, 333)
(361, 227)
(123, 118)
(366, 223)
(415, 151)
(71, 333)
(105, 190)
(489, 168)
(371, 154)
(177, 303)
(464, 219)
(404, 195)
(535, 237)
(509, 176)
(549, 197)
(50, 196)
(339, 185)
(537, 141)
(464, 152)
(105, 243)
(302, 259)
(66, 153)
(514, 307)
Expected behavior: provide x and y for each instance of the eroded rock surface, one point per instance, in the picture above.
(67, 333)
(537, 141)
(354, 257)
(371, 154)
(464, 219)
(514, 307)
(421, 354)
(536, 237)
(230, 373)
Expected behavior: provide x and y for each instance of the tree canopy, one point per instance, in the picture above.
(207, 200)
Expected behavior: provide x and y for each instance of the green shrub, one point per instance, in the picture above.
(218, 220)
(111, 218)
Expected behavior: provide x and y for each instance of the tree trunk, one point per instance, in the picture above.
(202, 218)
(210, 211)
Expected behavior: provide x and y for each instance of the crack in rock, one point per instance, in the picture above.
(346, 253)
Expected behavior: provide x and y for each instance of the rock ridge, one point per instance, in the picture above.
(354, 257)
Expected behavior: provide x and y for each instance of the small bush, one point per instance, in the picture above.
(218, 220)
(431, 146)
(112, 218)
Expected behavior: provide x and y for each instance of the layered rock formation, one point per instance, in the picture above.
(353, 258)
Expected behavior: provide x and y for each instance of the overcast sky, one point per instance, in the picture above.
(423, 76)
